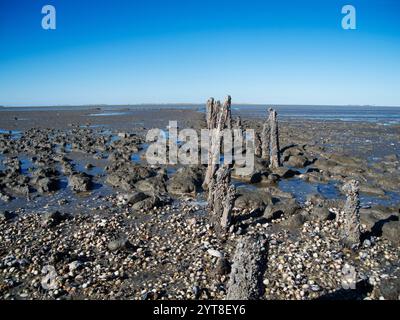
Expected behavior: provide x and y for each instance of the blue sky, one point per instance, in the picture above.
(150, 51)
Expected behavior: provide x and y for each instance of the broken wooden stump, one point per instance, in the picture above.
(275, 152)
(212, 111)
(229, 201)
(218, 117)
(351, 214)
(249, 264)
(266, 141)
(238, 123)
(227, 113)
(258, 145)
(221, 197)
(269, 137)
(213, 152)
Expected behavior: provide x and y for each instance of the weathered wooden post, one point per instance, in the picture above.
(218, 117)
(275, 152)
(258, 145)
(351, 214)
(238, 123)
(212, 112)
(249, 264)
(214, 149)
(221, 197)
(227, 113)
(266, 141)
(229, 201)
(209, 111)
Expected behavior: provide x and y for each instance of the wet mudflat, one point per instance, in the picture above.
(77, 195)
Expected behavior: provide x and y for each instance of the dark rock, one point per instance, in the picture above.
(286, 207)
(373, 215)
(6, 215)
(151, 202)
(186, 180)
(285, 173)
(260, 172)
(152, 185)
(5, 197)
(120, 180)
(391, 231)
(50, 219)
(45, 184)
(21, 189)
(252, 201)
(320, 208)
(295, 221)
(135, 197)
(223, 266)
(297, 161)
(89, 166)
(382, 222)
(119, 244)
(269, 179)
(80, 182)
(372, 190)
(392, 158)
(196, 292)
(390, 288)
(125, 175)
(42, 172)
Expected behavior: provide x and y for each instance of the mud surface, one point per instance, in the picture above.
(84, 216)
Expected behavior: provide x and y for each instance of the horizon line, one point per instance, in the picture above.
(99, 105)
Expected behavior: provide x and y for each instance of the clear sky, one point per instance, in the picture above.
(149, 51)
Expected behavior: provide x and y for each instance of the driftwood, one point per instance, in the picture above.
(249, 264)
(351, 214)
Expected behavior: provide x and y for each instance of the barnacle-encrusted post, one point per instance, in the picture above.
(221, 196)
(249, 264)
(258, 145)
(218, 118)
(275, 156)
(214, 147)
(266, 140)
(210, 113)
(227, 113)
(228, 207)
(238, 123)
(351, 215)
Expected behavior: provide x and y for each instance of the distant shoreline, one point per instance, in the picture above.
(100, 106)
(372, 114)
